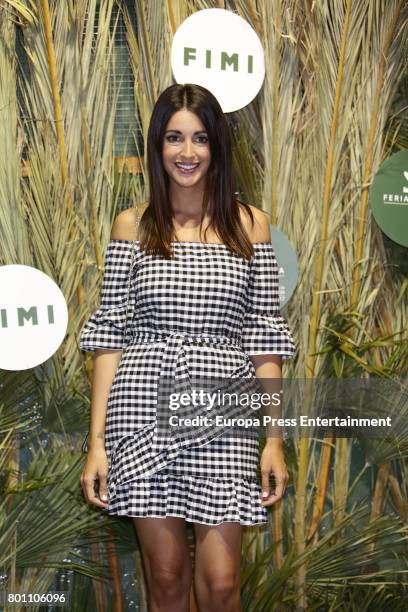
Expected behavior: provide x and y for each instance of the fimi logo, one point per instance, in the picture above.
(221, 60)
(20, 316)
(398, 198)
(33, 317)
(220, 51)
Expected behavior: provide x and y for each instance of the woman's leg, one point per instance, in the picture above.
(166, 561)
(217, 567)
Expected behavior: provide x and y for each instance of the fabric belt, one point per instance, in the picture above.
(174, 358)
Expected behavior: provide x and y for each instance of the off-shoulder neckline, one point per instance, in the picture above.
(254, 244)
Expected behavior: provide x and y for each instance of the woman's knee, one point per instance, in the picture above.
(222, 589)
(171, 581)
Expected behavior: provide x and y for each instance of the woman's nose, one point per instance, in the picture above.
(187, 148)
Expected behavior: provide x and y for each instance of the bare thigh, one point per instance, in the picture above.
(164, 547)
(218, 560)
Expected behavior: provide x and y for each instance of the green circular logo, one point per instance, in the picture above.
(389, 197)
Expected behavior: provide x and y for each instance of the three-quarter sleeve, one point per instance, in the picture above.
(106, 327)
(264, 330)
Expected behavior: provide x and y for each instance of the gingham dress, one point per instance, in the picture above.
(202, 313)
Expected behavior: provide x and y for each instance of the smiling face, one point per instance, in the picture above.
(186, 150)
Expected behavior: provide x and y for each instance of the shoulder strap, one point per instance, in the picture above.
(138, 215)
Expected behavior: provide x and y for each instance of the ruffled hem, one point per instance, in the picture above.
(210, 501)
(267, 334)
(104, 330)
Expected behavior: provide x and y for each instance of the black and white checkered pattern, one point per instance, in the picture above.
(200, 314)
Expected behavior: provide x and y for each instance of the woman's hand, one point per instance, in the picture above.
(96, 468)
(273, 462)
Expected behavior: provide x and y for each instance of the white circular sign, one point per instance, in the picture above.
(33, 317)
(219, 50)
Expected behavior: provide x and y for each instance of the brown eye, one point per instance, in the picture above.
(172, 138)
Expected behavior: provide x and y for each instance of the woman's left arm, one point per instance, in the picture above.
(268, 369)
(267, 340)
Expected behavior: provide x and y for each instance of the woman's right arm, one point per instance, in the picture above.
(105, 365)
(96, 467)
(104, 330)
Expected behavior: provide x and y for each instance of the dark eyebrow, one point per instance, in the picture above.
(178, 132)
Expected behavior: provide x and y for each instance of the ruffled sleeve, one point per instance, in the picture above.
(264, 330)
(106, 326)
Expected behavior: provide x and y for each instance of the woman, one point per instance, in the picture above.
(203, 302)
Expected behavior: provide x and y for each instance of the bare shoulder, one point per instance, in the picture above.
(125, 225)
(259, 231)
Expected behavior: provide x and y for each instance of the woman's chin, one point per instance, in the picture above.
(187, 181)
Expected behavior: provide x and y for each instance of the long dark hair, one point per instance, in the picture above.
(219, 202)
